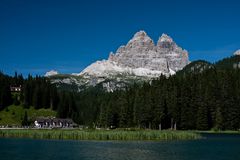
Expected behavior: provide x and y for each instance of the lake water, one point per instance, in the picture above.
(214, 147)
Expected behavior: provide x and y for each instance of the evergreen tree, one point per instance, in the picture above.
(46, 96)
(103, 116)
(26, 95)
(219, 119)
(37, 98)
(25, 121)
(124, 115)
(5, 93)
(202, 118)
(54, 100)
(63, 107)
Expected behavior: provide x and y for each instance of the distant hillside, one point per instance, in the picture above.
(199, 66)
(229, 63)
(196, 67)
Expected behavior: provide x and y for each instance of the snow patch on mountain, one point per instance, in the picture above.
(106, 68)
(51, 73)
(237, 52)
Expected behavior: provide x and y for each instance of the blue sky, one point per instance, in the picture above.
(39, 35)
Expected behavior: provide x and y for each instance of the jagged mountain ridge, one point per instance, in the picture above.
(139, 60)
(141, 57)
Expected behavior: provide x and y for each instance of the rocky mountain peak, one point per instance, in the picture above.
(166, 42)
(165, 38)
(141, 33)
(139, 60)
(140, 57)
(140, 39)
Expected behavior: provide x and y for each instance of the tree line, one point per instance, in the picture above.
(34, 91)
(202, 100)
(37, 92)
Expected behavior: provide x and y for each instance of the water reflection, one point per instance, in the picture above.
(215, 147)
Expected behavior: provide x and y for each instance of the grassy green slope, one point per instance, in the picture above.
(13, 115)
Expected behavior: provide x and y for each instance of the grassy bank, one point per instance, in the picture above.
(100, 134)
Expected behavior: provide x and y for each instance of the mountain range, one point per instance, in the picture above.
(138, 61)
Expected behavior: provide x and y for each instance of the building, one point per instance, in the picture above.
(16, 88)
(45, 122)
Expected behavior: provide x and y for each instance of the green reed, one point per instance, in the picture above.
(99, 134)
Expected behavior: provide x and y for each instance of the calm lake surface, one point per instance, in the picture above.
(213, 147)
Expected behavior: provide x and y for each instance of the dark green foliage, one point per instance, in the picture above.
(229, 63)
(202, 118)
(40, 93)
(25, 121)
(63, 107)
(219, 120)
(35, 91)
(5, 93)
(204, 99)
(196, 67)
(37, 98)
(16, 99)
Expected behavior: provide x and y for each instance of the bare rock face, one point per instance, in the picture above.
(176, 57)
(141, 57)
(140, 52)
(139, 60)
